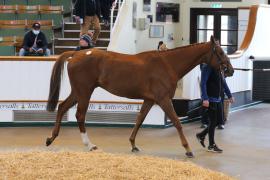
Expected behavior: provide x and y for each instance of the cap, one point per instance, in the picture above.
(36, 25)
(87, 38)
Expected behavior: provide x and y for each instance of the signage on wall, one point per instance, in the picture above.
(92, 106)
(216, 5)
(167, 12)
(147, 5)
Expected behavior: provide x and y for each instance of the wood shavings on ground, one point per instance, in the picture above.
(98, 165)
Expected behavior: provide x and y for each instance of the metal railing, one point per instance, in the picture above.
(119, 4)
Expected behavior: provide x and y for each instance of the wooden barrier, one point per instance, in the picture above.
(28, 58)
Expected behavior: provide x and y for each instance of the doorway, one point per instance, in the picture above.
(222, 23)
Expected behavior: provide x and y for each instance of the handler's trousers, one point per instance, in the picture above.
(214, 113)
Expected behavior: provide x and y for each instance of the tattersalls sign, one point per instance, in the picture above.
(91, 107)
(9, 106)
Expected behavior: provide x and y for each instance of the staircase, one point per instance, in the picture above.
(71, 38)
(71, 34)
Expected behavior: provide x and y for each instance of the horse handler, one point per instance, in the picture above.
(212, 86)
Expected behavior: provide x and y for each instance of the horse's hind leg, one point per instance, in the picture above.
(167, 107)
(62, 109)
(140, 118)
(80, 116)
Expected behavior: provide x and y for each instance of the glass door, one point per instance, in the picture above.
(221, 23)
(205, 27)
(228, 36)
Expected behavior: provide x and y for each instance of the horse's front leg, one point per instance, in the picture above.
(140, 118)
(167, 107)
(62, 109)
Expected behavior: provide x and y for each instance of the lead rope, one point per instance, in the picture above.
(245, 69)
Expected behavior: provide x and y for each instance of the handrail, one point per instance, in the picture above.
(120, 5)
(251, 27)
(249, 34)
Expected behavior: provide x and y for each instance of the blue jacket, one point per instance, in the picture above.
(213, 85)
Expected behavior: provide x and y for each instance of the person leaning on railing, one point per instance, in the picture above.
(35, 43)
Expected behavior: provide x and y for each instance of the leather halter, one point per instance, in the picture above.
(214, 52)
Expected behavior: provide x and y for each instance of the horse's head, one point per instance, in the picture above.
(218, 59)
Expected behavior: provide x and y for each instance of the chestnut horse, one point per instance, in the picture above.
(151, 76)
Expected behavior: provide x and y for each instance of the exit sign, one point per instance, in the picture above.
(216, 5)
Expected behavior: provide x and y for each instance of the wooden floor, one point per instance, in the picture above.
(245, 141)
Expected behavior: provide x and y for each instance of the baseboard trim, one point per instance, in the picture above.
(73, 124)
(239, 108)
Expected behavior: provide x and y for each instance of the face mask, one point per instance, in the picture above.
(36, 32)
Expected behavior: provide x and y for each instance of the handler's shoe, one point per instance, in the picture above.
(221, 127)
(203, 126)
(214, 148)
(200, 139)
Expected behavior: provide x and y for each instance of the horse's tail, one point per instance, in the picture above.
(55, 83)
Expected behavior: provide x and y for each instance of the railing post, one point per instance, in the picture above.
(120, 4)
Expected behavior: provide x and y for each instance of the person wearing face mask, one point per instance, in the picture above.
(35, 43)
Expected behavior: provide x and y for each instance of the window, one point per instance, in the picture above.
(221, 23)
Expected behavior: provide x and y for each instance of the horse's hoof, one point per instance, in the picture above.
(93, 148)
(135, 149)
(189, 155)
(48, 142)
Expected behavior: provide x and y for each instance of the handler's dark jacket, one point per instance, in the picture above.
(29, 39)
(84, 8)
(213, 85)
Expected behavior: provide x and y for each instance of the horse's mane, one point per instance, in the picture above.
(174, 49)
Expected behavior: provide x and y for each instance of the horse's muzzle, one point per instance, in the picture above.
(228, 72)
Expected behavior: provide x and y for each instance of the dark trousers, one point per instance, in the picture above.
(220, 121)
(215, 113)
(105, 7)
(205, 117)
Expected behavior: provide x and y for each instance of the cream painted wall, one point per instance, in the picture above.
(143, 42)
(138, 40)
(131, 41)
